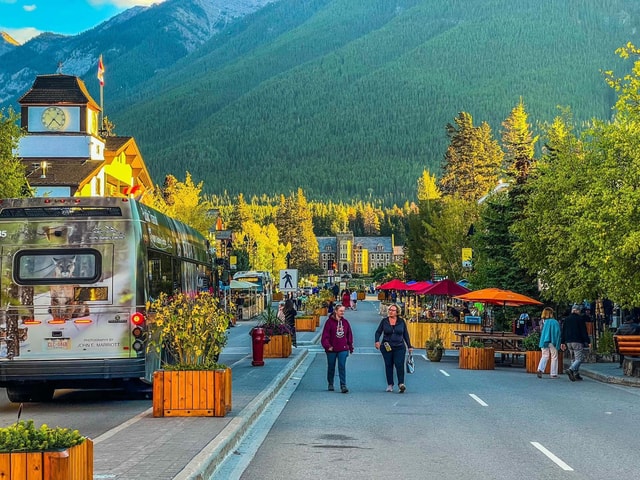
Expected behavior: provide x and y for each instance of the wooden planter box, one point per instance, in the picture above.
(306, 323)
(532, 359)
(73, 463)
(381, 296)
(362, 295)
(192, 393)
(322, 311)
(278, 296)
(477, 358)
(278, 347)
(420, 332)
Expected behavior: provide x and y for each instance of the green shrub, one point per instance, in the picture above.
(606, 345)
(25, 437)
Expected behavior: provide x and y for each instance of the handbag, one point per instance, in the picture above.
(411, 367)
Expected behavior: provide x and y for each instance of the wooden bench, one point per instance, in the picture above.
(628, 345)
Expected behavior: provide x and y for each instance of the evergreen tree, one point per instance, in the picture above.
(240, 215)
(518, 143)
(472, 160)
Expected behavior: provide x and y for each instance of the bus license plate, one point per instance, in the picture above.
(58, 343)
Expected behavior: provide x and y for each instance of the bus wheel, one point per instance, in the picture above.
(33, 394)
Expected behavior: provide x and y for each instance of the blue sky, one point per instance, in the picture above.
(23, 19)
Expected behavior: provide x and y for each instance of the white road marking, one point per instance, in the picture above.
(552, 457)
(478, 399)
(444, 373)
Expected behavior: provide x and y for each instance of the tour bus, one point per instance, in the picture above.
(75, 277)
(260, 278)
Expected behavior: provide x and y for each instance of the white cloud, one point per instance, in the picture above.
(125, 3)
(29, 8)
(22, 34)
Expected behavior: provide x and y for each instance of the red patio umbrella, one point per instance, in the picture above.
(444, 287)
(416, 287)
(394, 284)
(497, 296)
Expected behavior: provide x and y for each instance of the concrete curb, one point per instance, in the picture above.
(203, 465)
(626, 381)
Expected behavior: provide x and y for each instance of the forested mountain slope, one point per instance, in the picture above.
(350, 98)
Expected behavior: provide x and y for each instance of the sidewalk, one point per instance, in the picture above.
(190, 448)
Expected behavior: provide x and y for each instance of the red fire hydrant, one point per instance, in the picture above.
(258, 339)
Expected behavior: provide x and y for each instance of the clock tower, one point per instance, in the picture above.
(63, 140)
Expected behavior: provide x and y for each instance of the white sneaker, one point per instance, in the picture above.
(390, 388)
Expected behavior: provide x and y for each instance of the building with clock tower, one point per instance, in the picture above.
(66, 153)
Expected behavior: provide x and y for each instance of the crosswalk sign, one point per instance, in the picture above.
(288, 280)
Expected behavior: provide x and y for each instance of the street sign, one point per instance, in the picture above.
(288, 280)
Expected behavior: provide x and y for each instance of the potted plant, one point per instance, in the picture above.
(49, 453)
(278, 333)
(476, 356)
(189, 333)
(434, 345)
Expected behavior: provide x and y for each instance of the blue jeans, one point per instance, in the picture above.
(577, 349)
(394, 358)
(341, 357)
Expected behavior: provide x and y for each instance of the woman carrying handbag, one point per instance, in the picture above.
(395, 342)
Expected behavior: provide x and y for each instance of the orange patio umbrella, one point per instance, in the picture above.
(497, 296)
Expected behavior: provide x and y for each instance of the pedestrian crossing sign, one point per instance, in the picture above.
(288, 280)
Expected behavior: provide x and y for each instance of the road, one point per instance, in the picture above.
(450, 424)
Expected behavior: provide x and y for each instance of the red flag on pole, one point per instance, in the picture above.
(101, 71)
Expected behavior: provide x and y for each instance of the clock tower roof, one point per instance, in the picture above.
(58, 89)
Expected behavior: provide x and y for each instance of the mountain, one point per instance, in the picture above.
(7, 43)
(136, 45)
(344, 98)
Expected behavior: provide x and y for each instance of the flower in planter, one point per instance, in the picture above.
(189, 330)
(23, 436)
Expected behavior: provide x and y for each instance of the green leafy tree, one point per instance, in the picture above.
(12, 172)
(183, 201)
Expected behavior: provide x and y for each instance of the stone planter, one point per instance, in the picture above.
(279, 346)
(192, 393)
(73, 463)
(472, 358)
(533, 359)
(435, 355)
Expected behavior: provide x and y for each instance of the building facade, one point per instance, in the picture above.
(347, 254)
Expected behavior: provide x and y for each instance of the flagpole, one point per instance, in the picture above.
(101, 79)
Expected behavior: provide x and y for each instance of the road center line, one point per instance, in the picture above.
(444, 373)
(478, 399)
(553, 458)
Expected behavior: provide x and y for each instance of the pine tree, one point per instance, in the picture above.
(518, 143)
(472, 160)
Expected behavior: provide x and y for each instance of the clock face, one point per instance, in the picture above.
(53, 118)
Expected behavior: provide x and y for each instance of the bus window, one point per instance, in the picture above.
(58, 266)
(160, 274)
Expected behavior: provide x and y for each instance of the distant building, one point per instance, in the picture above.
(346, 254)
